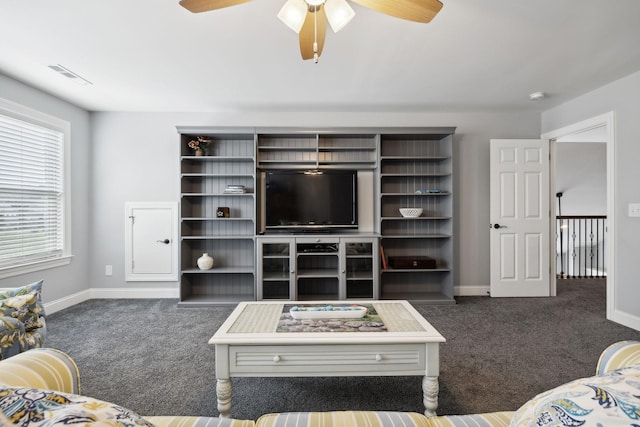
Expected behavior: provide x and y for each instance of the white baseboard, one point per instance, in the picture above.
(471, 291)
(66, 302)
(626, 319)
(109, 293)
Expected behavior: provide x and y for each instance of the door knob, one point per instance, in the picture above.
(496, 226)
(165, 241)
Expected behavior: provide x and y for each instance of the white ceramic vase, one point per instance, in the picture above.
(205, 262)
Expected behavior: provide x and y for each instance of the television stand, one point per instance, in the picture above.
(329, 267)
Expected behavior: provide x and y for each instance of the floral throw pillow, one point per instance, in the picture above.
(24, 407)
(608, 400)
(23, 304)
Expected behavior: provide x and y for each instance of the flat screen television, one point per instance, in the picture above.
(298, 200)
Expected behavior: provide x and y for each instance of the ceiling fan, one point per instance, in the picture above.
(309, 18)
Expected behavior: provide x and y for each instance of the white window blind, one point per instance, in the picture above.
(31, 193)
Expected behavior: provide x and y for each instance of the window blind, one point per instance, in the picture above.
(31, 192)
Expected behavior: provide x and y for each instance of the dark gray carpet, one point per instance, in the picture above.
(153, 357)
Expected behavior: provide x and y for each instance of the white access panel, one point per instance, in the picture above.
(151, 238)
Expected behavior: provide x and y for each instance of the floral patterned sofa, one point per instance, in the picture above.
(41, 388)
(22, 319)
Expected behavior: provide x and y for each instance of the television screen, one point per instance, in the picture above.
(315, 200)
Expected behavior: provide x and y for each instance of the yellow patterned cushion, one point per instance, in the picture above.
(23, 303)
(608, 400)
(46, 408)
(344, 419)
(492, 419)
(198, 422)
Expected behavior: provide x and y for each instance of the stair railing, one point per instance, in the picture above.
(580, 246)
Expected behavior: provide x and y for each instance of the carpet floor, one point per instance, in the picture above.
(152, 356)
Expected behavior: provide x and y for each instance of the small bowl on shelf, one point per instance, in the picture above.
(410, 212)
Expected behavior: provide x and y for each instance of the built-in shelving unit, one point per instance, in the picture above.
(317, 268)
(407, 167)
(316, 150)
(416, 171)
(204, 183)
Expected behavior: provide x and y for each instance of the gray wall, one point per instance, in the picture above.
(581, 176)
(61, 282)
(622, 97)
(135, 158)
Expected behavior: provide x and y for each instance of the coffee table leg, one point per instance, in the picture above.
(430, 390)
(223, 391)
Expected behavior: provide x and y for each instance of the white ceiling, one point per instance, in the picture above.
(154, 55)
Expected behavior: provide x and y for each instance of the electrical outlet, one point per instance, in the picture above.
(108, 270)
(634, 209)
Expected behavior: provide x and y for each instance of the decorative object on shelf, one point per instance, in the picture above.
(309, 18)
(205, 262)
(223, 212)
(410, 212)
(199, 145)
(235, 189)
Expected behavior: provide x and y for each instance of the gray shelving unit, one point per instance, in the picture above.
(295, 149)
(229, 160)
(302, 269)
(249, 267)
(416, 171)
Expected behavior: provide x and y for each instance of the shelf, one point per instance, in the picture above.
(219, 270)
(318, 273)
(415, 236)
(219, 237)
(414, 270)
(346, 148)
(443, 193)
(284, 148)
(216, 175)
(414, 158)
(217, 195)
(218, 219)
(417, 218)
(223, 159)
(410, 175)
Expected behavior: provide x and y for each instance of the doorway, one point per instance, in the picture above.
(600, 127)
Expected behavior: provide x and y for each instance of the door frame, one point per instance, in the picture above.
(608, 120)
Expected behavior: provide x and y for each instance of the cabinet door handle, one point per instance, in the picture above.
(378, 357)
(276, 358)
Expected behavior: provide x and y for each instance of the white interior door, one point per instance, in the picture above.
(151, 253)
(519, 205)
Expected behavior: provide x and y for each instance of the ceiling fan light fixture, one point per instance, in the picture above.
(293, 14)
(339, 13)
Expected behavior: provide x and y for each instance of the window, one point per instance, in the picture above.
(34, 232)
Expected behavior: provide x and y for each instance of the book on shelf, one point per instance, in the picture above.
(383, 258)
(235, 189)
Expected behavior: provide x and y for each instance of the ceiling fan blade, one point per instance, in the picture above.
(412, 10)
(197, 6)
(308, 32)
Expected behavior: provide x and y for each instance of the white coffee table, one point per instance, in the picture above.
(250, 344)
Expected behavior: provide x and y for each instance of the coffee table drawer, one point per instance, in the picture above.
(328, 360)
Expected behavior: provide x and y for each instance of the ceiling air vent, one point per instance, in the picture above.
(69, 74)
